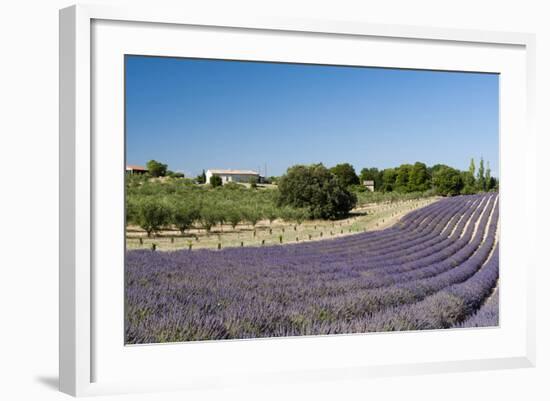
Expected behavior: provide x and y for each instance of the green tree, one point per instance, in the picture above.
(271, 213)
(292, 214)
(448, 181)
(252, 214)
(487, 180)
(316, 189)
(152, 214)
(389, 176)
(345, 174)
(419, 178)
(481, 176)
(472, 168)
(184, 214)
(402, 178)
(234, 215)
(156, 169)
(209, 215)
(469, 183)
(201, 178)
(215, 181)
(253, 181)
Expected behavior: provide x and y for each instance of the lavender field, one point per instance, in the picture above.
(436, 268)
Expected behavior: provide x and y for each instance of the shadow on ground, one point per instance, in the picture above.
(52, 382)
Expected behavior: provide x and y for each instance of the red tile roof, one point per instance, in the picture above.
(138, 168)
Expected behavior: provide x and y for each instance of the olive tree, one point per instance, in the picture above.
(152, 214)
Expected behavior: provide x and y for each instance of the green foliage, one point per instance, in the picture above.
(233, 186)
(472, 168)
(253, 181)
(448, 181)
(152, 214)
(253, 214)
(291, 214)
(209, 215)
(469, 182)
(481, 176)
(419, 178)
(402, 178)
(201, 178)
(184, 214)
(271, 213)
(156, 169)
(345, 173)
(389, 177)
(174, 174)
(372, 174)
(316, 189)
(491, 183)
(215, 181)
(234, 215)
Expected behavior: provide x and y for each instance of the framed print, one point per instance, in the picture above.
(274, 200)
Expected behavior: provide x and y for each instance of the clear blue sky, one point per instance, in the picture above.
(200, 114)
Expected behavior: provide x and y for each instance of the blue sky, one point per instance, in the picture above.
(200, 114)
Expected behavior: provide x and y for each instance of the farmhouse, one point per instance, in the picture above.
(242, 176)
(369, 184)
(136, 169)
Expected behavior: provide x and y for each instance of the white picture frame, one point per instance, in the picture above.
(82, 346)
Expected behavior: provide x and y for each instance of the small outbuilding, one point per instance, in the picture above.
(369, 184)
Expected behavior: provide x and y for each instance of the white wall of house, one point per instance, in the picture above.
(228, 177)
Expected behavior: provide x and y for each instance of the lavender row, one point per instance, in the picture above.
(261, 292)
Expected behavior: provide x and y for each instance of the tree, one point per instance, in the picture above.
(402, 178)
(316, 189)
(292, 214)
(448, 181)
(419, 178)
(253, 181)
(271, 213)
(345, 174)
(472, 168)
(481, 176)
(487, 177)
(493, 184)
(209, 215)
(156, 169)
(469, 183)
(234, 215)
(215, 181)
(389, 176)
(184, 214)
(152, 214)
(252, 214)
(201, 178)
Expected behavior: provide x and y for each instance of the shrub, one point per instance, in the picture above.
(215, 181)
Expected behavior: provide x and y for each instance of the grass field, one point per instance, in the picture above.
(375, 216)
